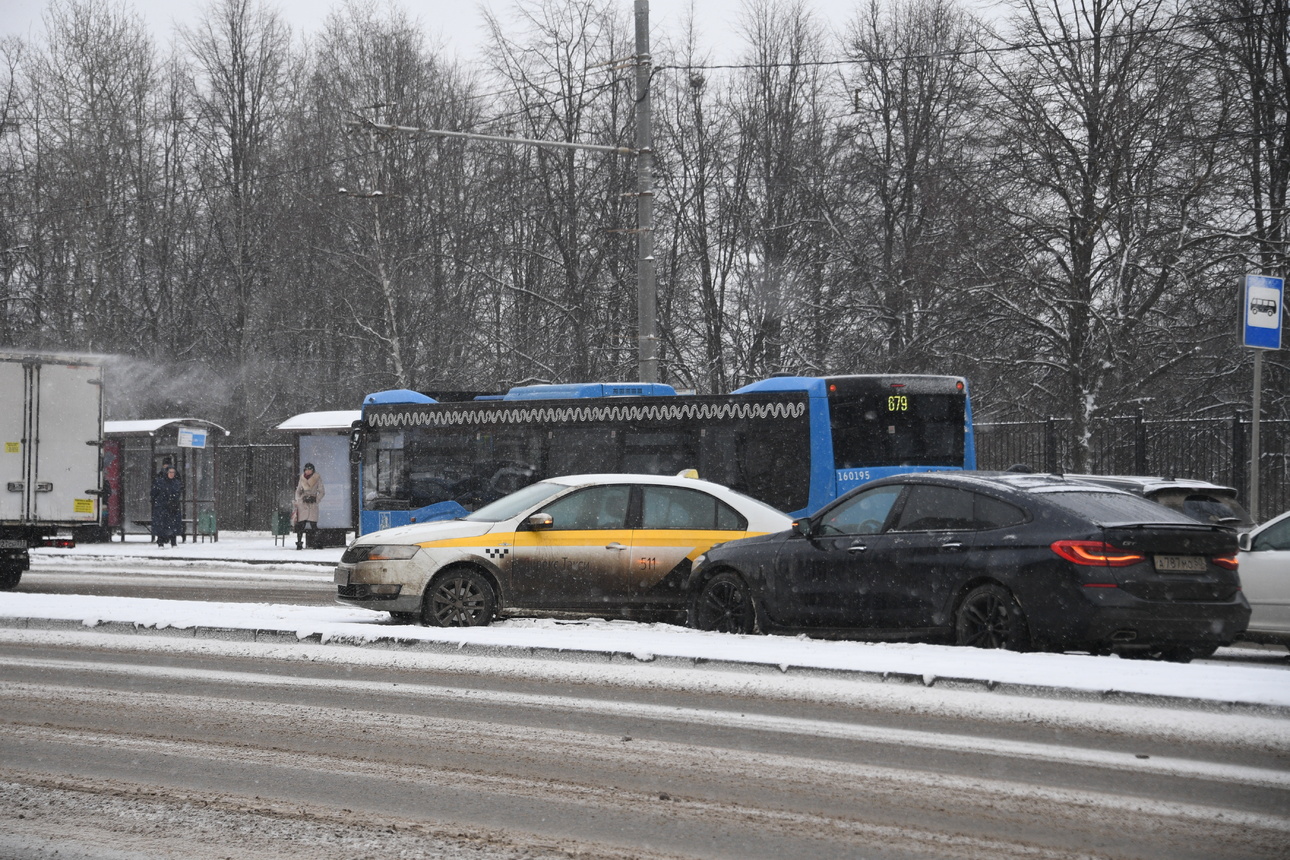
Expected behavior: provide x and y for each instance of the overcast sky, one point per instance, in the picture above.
(458, 21)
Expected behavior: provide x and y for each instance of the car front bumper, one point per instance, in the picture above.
(367, 585)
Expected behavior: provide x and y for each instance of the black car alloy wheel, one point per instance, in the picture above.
(459, 598)
(990, 618)
(724, 605)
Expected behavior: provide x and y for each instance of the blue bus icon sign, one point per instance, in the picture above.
(1262, 314)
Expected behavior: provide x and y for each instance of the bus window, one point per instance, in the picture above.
(581, 451)
(659, 452)
(767, 462)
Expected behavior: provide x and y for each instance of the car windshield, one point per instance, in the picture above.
(516, 503)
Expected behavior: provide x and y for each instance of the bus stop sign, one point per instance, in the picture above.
(1263, 300)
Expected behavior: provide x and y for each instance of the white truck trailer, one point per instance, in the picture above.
(51, 451)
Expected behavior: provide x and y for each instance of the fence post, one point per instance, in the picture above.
(1139, 443)
(1240, 458)
(1050, 447)
(248, 490)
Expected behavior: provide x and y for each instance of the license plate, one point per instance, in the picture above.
(1180, 563)
(13, 544)
(341, 577)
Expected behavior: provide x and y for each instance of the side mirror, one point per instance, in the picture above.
(802, 527)
(1243, 542)
(539, 522)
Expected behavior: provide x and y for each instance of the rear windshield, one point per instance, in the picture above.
(1105, 508)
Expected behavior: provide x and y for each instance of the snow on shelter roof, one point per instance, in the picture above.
(150, 426)
(341, 419)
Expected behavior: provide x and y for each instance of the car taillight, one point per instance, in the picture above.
(1227, 562)
(1096, 553)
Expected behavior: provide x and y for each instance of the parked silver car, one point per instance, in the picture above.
(1264, 569)
(1200, 500)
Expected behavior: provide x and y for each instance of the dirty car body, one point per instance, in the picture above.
(615, 545)
(994, 560)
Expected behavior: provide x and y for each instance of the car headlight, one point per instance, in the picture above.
(392, 552)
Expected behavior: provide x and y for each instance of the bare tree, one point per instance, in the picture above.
(89, 175)
(913, 174)
(574, 309)
(1247, 50)
(783, 151)
(240, 50)
(16, 215)
(399, 242)
(700, 189)
(1088, 103)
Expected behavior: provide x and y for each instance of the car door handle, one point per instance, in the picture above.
(857, 547)
(616, 545)
(952, 545)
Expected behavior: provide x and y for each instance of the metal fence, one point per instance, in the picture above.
(1210, 449)
(252, 481)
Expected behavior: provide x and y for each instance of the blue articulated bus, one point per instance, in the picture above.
(794, 442)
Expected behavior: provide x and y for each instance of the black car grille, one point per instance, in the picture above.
(361, 592)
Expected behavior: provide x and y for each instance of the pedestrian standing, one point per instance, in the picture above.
(309, 493)
(167, 514)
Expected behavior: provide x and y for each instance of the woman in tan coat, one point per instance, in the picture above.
(309, 492)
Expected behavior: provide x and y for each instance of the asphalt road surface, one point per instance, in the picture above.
(112, 746)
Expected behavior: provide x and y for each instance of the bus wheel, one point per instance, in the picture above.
(459, 598)
(724, 605)
(990, 618)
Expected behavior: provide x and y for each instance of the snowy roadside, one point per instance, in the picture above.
(1211, 683)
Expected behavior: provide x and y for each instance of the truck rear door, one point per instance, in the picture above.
(13, 497)
(68, 424)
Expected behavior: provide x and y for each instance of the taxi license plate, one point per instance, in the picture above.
(1180, 563)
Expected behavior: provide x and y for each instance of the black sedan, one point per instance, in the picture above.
(984, 559)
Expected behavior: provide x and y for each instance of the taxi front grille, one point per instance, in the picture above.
(361, 592)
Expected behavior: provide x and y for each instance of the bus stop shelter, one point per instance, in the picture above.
(134, 452)
(322, 438)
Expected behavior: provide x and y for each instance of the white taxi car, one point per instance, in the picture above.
(617, 545)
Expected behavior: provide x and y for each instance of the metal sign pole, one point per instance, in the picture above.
(1254, 435)
(1261, 314)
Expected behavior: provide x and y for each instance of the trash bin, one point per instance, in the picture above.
(206, 527)
(281, 526)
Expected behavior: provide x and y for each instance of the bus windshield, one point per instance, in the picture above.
(897, 427)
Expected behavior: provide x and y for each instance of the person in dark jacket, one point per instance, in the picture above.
(167, 517)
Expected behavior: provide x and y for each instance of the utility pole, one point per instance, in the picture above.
(646, 287)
